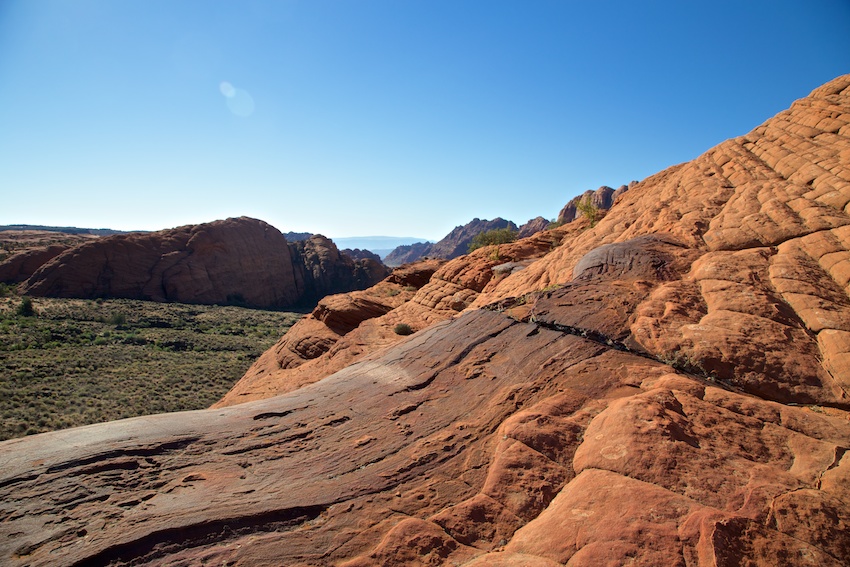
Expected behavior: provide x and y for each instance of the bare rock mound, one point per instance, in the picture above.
(23, 250)
(666, 387)
(24, 264)
(243, 261)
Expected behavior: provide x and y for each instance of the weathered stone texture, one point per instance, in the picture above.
(667, 387)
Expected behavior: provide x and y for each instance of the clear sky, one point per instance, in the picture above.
(366, 117)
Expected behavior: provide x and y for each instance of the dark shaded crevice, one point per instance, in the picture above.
(421, 384)
(149, 452)
(272, 443)
(839, 454)
(589, 334)
(17, 479)
(609, 343)
(159, 544)
(272, 414)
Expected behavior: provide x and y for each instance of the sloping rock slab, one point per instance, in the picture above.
(480, 439)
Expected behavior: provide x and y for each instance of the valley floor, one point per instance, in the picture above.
(76, 362)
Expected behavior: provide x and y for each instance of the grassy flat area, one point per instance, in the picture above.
(79, 361)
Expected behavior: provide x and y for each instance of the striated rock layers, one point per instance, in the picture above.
(243, 261)
(667, 387)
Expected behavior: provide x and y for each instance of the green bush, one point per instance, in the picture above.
(589, 210)
(117, 319)
(490, 237)
(25, 308)
(403, 329)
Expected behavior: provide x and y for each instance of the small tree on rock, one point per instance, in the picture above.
(589, 210)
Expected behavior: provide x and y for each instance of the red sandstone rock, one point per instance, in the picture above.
(290, 363)
(233, 261)
(24, 264)
(668, 387)
(26, 250)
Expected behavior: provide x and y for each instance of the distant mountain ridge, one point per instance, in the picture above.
(456, 243)
(66, 229)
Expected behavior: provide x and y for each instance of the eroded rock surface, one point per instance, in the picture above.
(23, 251)
(667, 387)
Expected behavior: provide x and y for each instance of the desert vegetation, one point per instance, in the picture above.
(403, 329)
(70, 362)
(589, 210)
(490, 237)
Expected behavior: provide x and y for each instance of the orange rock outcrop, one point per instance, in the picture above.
(667, 387)
(239, 260)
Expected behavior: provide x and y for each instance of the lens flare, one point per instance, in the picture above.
(226, 89)
(239, 101)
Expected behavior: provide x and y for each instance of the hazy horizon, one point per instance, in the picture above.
(379, 117)
(379, 238)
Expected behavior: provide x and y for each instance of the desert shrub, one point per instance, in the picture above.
(71, 366)
(118, 319)
(403, 329)
(25, 308)
(490, 237)
(589, 210)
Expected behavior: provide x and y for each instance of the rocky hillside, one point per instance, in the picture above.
(667, 387)
(242, 261)
(602, 199)
(454, 244)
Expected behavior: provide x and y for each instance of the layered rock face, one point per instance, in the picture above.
(242, 260)
(667, 387)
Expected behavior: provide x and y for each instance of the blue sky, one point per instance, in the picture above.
(394, 117)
